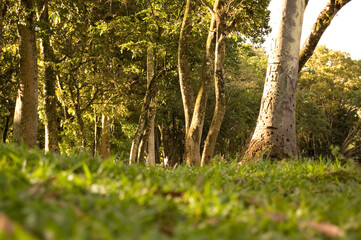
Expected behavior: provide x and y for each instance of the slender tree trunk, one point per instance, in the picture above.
(275, 133)
(152, 108)
(96, 135)
(323, 21)
(220, 108)
(26, 109)
(183, 66)
(105, 139)
(143, 118)
(51, 123)
(81, 124)
(6, 128)
(194, 131)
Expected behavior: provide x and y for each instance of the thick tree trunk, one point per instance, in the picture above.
(105, 139)
(152, 108)
(323, 21)
(194, 133)
(275, 133)
(220, 108)
(51, 123)
(26, 109)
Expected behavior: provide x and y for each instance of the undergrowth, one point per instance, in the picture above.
(47, 196)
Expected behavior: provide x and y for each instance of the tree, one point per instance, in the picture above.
(26, 110)
(275, 132)
(329, 103)
(219, 28)
(50, 103)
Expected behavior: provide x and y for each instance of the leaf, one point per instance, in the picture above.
(87, 172)
(324, 227)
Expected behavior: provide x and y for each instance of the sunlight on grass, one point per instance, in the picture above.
(79, 197)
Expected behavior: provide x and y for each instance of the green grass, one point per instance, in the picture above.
(78, 197)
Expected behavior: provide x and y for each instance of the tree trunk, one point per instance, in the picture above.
(275, 133)
(152, 108)
(6, 128)
(81, 124)
(96, 135)
(323, 21)
(51, 123)
(194, 132)
(143, 118)
(183, 66)
(105, 138)
(26, 109)
(220, 108)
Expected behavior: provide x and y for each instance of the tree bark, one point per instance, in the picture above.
(323, 21)
(183, 66)
(26, 109)
(81, 124)
(51, 123)
(105, 138)
(6, 128)
(143, 118)
(275, 133)
(220, 108)
(96, 135)
(194, 132)
(152, 108)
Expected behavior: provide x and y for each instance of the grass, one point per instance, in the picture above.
(79, 197)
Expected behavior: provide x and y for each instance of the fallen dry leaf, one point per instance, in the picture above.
(6, 225)
(324, 227)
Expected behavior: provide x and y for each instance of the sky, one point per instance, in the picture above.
(343, 34)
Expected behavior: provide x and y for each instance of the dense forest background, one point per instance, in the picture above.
(100, 64)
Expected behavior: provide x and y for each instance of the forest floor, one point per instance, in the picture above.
(79, 197)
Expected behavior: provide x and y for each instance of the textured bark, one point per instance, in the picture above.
(323, 21)
(152, 108)
(220, 108)
(183, 66)
(26, 109)
(143, 118)
(194, 133)
(50, 99)
(105, 138)
(275, 133)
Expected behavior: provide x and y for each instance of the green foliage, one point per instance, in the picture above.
(78, 197)
(328, 102)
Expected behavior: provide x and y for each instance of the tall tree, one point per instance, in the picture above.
(152, 110)
(220, 107)
(195, 119)
(275, 132)
(26, 110)
(51, 123)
